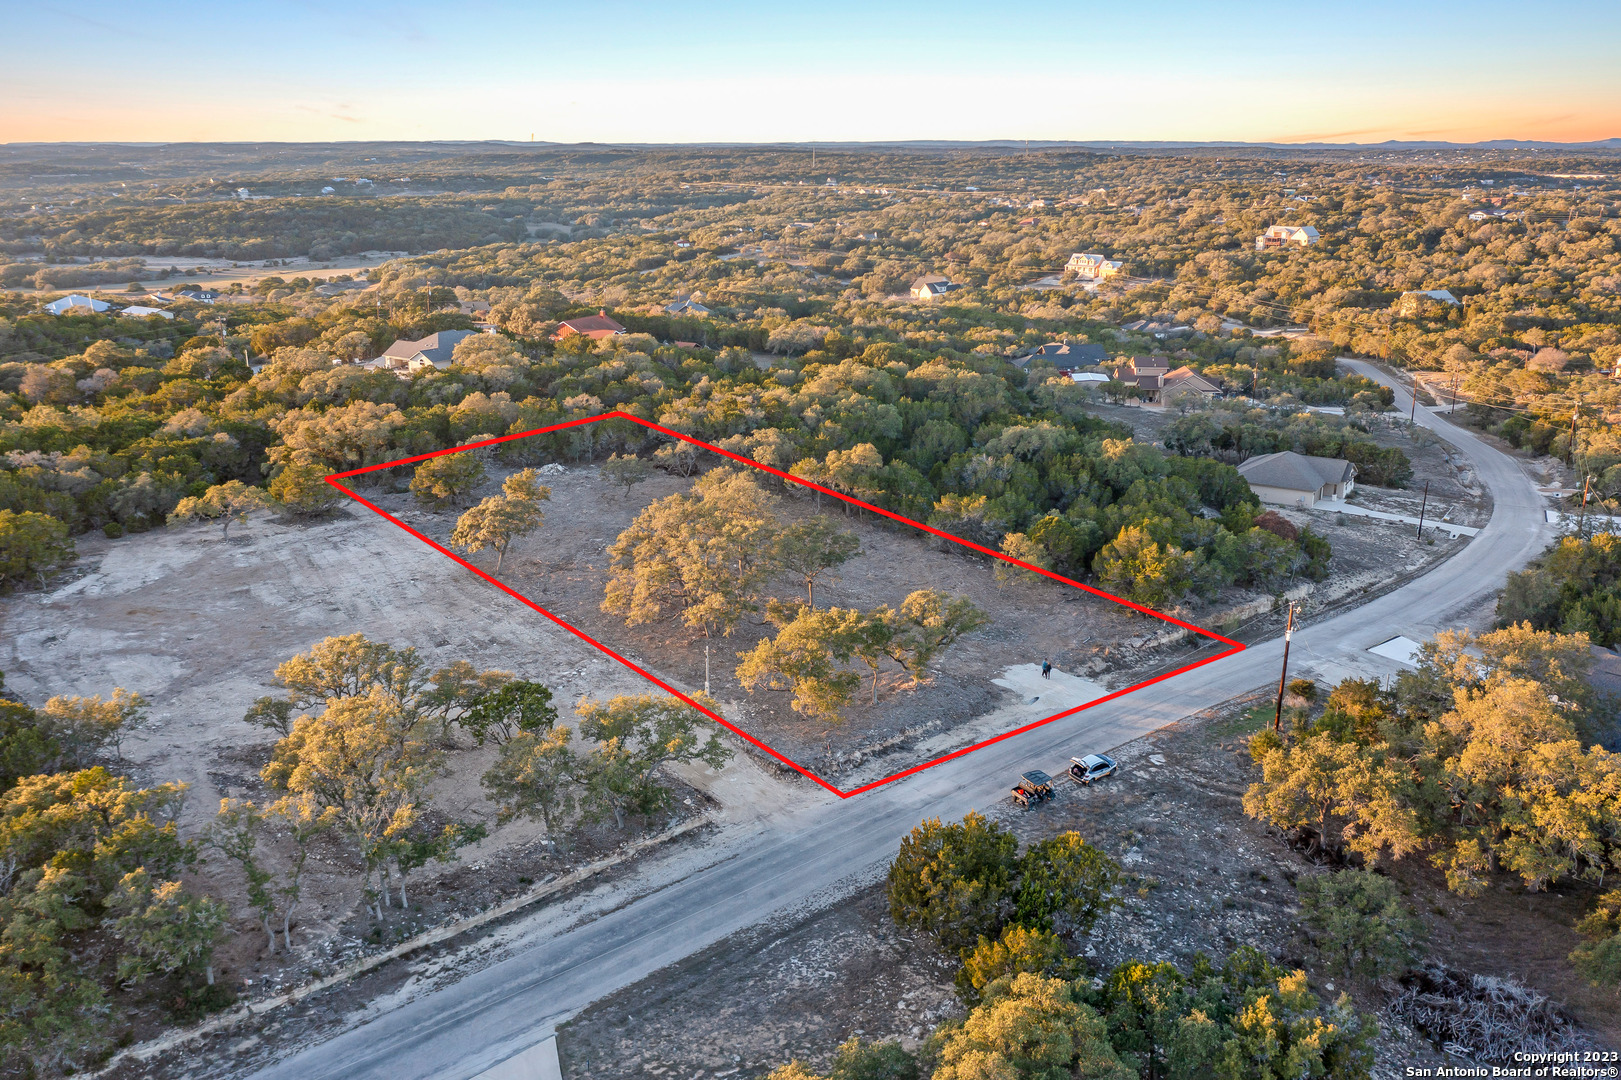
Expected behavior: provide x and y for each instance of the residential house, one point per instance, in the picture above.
(1092, 267)
(1066, 356)
(475, 309)
(1146, 373)
(1487, 215)
(596, 327)
(930, 286)
(685, 306)
(432, 351)
(1290, 479)
(1278, 236)
(201, 296)
(137, 311)
(77, 304)
(1185, 383)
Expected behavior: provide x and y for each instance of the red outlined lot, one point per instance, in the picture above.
(1233, 646)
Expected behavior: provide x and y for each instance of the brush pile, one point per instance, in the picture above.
(1485, 1019)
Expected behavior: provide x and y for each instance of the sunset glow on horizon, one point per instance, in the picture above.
(840, 72)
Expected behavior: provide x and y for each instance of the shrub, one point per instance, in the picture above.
(1361, 923)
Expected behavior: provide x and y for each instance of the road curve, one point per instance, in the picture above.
(462, 1030)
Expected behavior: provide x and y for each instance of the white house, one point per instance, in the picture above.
(137, 311)
(930, 286)
(74, 300)
(1277, 236)
(1290, 479)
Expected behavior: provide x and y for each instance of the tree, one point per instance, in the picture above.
(1598, 959)
(809, 549)
(702, 556)
(928, 623)
(353, 665)
(31, 545)
(304, 818)
(1135, 566)
(366, 759)
(301, 489)
(415, 847)
(224, 503)
(271, 713)
(1362, 926)
(626, 469)
(534, 776)
(82, 726)
(1028, 1027)
(1064, 882)
(165, 928)
(804, 657)
(636, 735)
(445, 479)
(234, 833)
(514, 708)
(498, 520)
(954, 882)
(1021, 547)
(1017, 950)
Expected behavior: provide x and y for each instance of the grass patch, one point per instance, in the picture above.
(1246, 722)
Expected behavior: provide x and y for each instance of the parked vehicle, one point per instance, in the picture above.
(1084, 770)
(1033, 787)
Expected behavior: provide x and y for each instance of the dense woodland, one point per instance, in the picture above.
(811, 359)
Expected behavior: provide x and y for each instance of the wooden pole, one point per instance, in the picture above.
(1422, 506)
(1283, 677)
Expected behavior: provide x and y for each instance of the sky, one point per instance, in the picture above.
(830, 70)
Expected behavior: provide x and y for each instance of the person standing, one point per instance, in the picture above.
(1046, 669)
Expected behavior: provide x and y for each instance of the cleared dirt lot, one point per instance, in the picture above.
(565, 568)
(197, 626)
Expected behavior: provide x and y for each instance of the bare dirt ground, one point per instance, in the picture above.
(1203, 878)
(1098, 644)
(197, 626)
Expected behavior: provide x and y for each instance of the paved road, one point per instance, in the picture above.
(467, 1028)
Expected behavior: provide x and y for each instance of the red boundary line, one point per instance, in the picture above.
(789, 478)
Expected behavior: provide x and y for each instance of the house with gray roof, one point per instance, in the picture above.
(1290, 479)
(1066, 356)
(431, 351)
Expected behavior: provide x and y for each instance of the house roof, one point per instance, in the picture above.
(1149, 365)
(687, 305)
(1065, 353)
(1185, 378)
(73, 300)
(586, 324)
(137, 311)
(1296, 472)
(435, 348)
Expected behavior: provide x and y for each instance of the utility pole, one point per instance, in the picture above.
(1412, 415)
(1570, 449)
(1422, 506)
(1581, 520)
(1454, 410)
(1283, 677)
